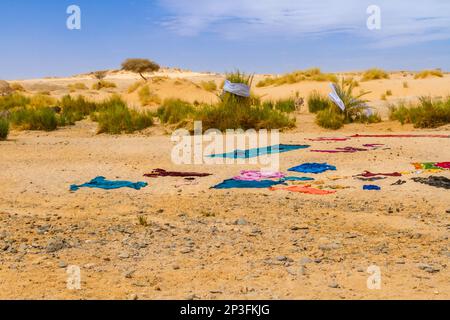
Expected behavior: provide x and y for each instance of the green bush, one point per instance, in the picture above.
(427, 113)
(174, 110)
(4, 129)
(118, 118)
(32, 118)
(314, 74)
(317, 102)
(283, 105)
(330, 118)
(13, 101)
(375, 74)
(428, 73)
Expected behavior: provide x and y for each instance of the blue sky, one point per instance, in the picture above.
(262, 36)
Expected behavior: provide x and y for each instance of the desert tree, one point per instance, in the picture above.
(140, 66)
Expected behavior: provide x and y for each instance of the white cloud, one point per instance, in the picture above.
(403, 21)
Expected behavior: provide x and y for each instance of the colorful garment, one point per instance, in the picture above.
(371, 187)
(434, 181)
(252, 153)
(163, 173)
(102, 183)
(341, 150)
(304, 189)
(313, 168)
(241, 184)
(368, 174)
(255, 175)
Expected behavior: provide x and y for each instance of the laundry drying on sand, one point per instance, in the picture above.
(297, 179)
(434, 181)
(255, 175)
(368, 174)
(313, 168)
(400, 136)
(438, 166)
(163, 173)
(398, 183)
(304, 189)
(329, 139)
(252, 153)
(102, 183)
(371, 187)
(341, 150)
(242, 184)
(371, 178)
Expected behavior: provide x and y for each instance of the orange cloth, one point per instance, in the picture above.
(303, 189)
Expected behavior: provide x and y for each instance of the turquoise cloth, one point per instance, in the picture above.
(102, 183)
(297, 179)
(252, 153)
(242, 184)
(313, 168)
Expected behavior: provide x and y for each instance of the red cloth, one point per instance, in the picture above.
(163, 173)
(329, 139)
(341, 150)
(368, 174)
(443, 165)
(400, 136)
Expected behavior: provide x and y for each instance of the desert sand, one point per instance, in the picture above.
(202, 243)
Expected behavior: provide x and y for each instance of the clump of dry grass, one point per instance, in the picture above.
(17, 87)
(314, 74)
(210, 86)
(148, 97)
(103, 84)
(77, 86)
(429, 73)
(375, 74)
(132, 88)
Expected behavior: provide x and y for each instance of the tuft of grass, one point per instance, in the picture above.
(388, 93)
(4, 129)
(13, 101)
(142, 220)
(283, 105)
(132, 88)
(174, 110)
(75, 109)
(405, 85)
(117, 118)
(103, 84)
(32, 118)
(317, 102)
(148, 97)
(427, 113)
(429, 73)
(375, 74)
(17, 87)
(330, 118)
(77, 86)
(41, 101)
(210, 86)
(383, 97)
(314, 74)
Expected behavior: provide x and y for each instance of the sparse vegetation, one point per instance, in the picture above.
(140, 66)
(17, 87)
(148, 97)
(283, 105)
(174, 110)
(142, 220)
(210, 86)
(427, 113)
(77, 86)
(103, 84)
(317, 102)
(405, 85)
(330, 118)
(32, 118)
(314, 74)
(375, 74)
(13, 101)
(388, 93)
(429, 73)
(132, 88)
(4, 128)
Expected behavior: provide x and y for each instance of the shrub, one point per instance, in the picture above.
(389, 93)
(428, 73)
(13, 100)
(314, 74)
(148, 97)
(174, 110)
(210, 86)
(317, 102)
(102, 84)
(41, 100)
(31, 118)
(355, 106)
(75, 110)
(118, 118)
(330, 118)
(427, 113)
(17, 87)
(375, 74)
(4, 128)
(77, 86)
(283, 105)
(140, 66)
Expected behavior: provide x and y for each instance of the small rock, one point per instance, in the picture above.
(305, 260)
(329, 246)
(62, 264)
(281, 258)
(176, 267)
(124, 255)
(334, 285)
(55, 244)
(241, 222)
(129, 274)
(186, 250)
(428, 268)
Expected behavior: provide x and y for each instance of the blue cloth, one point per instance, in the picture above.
(313, 168)
(371, 187)
(297, 179)
(239, 89)
(251, 153)
(102, 183)
(231, 183)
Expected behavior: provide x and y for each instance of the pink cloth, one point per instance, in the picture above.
(255, 175)
(329, 139)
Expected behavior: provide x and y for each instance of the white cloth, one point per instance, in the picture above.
(335, 98)
(239, 89)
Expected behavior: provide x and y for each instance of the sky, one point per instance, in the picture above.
(257, 36)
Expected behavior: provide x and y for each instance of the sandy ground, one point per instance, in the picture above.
(202, 243)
